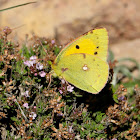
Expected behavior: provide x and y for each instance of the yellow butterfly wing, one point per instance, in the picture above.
(83, 62)
(85, 71)
(94, 42)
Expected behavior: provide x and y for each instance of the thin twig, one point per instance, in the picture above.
(18, 106)
(21, 111)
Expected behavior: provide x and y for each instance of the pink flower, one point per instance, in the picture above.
(32, 58)
(70, 88)
(15, 100)
(26, 93)
(35, 74)
(33, 115)
(26, 105)
(39, 66)
(60, 91)
(42, 74)
(29, 63)
(70, 129)
(53, 41)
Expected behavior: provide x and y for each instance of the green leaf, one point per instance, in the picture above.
(115, 98)
(57, 50)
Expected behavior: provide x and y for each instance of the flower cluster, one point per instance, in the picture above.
(35, 67)
(65, 87)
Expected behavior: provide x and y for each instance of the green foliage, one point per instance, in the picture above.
(126, 71)
(92, 127)
(115, 98)
(56, 50)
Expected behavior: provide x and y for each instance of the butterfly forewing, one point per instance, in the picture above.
(94, 42)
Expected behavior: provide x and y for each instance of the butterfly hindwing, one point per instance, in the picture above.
(85, 71)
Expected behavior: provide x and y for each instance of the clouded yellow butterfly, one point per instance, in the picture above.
(83, 62)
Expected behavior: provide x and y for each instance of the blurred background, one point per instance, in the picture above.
(66, 19)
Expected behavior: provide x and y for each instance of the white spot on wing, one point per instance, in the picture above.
(85, 68)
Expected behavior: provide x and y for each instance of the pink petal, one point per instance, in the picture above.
(70, 88)
(42, 74)
(26, 105)
(53, 41)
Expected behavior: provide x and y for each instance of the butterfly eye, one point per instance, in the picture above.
(77, 47)
(97, 47)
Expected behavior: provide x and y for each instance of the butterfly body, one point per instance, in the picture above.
(83, 62)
